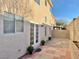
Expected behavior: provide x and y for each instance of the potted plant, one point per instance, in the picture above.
(49, 38)
(42, 42)
(30, 49)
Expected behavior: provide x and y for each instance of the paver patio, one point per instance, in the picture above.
(54, 49)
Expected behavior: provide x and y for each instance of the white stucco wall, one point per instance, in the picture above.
(42, 32)
(13, 45)
(48, 31)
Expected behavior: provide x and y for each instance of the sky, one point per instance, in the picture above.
(65, 9)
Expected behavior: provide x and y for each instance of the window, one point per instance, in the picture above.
(37, 1)
(37, 33)
(19, 24)
(45, 2)
(9, 24)
(31, 34)
(13, 23)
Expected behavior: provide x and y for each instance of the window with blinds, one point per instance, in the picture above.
(13, 23)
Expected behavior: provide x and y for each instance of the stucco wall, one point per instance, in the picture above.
(73, 27)
(60, 34)
(41, 11)
(42, 32)
(29, 9)
(14, 45)
(74, 50)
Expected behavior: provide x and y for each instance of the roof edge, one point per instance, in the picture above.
(50, 3)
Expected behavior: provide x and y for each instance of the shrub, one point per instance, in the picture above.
(42, 42)
(49, 38)
(30, 49)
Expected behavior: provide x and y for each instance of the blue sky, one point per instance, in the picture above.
(65, 9)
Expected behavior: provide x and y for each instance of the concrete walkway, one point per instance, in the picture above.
(54, 49)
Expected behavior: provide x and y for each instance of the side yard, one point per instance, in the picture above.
(54, 49)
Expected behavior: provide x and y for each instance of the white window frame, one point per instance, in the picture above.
(8, 17)
(32, 32)
(37, 33)
(18, 18)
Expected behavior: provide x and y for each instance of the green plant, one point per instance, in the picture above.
(49, 38)
(42, 42)
(30, 49)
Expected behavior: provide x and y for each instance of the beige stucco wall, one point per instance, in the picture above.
(40, 11)
(73, 27)
(13, 45)
(74, 51)
(30, 10)
(60, 34)
(70, 28)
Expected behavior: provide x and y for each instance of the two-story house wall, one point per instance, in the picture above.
(33, 10)
(41, 11)
(23, 23)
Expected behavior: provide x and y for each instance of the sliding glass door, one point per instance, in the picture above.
(31, 34)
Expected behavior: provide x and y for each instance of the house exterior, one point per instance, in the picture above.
(13, 42)
(23, 23)
(37, 11)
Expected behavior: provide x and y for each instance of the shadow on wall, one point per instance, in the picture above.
(76, 43)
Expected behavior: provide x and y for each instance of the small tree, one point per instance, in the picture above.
(61, 24)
